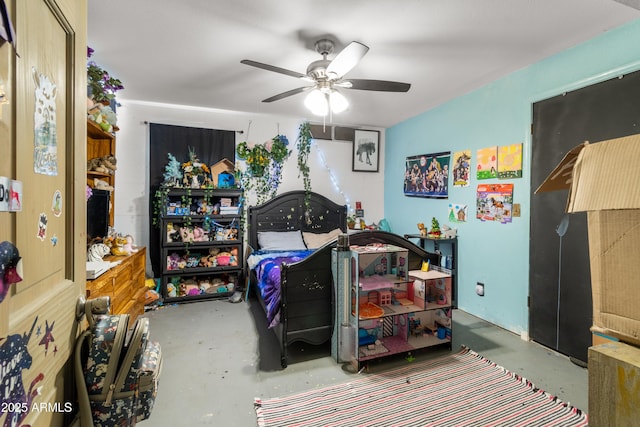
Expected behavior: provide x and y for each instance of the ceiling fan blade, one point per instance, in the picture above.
(378, 85)
(288, 93)
(273, 68)
(346, 59)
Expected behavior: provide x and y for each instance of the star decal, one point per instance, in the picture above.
(48, 336)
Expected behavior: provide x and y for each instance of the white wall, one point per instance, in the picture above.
(329, 161)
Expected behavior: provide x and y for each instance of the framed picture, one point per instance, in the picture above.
(366, 151)
(427, 175)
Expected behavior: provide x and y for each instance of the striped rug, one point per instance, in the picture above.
(461, 389)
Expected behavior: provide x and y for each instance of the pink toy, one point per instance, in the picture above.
(129, 247)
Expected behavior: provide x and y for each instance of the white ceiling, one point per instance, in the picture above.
(188, 52)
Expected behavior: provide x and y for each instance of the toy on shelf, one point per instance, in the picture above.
(435, 231)
(422, 229)
(97, 251)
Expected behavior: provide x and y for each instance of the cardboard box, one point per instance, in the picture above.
(603, 180)
(614, 381)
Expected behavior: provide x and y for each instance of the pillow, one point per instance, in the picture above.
(280, 240)
(315, 240)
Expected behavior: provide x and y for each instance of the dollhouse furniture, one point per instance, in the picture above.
(417, 316)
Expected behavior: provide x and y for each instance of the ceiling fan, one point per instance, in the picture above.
(327, 76)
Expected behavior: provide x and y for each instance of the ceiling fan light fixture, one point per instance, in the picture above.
(338, 102)
(316, 101)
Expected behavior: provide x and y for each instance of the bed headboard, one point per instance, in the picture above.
(286, 212)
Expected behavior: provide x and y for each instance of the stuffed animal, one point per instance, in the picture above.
(173, 235)
(231, 234)
(422, 229)
(109, 162)
(206, 262)
(186, 234)
(118, 246)
(129, 247)
(199, 235)
(172, 287)
(97, 251)
(94, 165)
(101, 185)
(448, 232)
(204, 284)
(173, 261)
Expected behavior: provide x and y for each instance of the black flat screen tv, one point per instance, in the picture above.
(98, 214)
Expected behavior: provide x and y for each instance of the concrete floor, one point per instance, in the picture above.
(219, 356)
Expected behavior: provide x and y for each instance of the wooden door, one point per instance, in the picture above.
(45, 151)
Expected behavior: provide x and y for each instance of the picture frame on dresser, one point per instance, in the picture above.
(366, 151)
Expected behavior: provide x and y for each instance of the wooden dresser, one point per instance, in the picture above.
(124, 284)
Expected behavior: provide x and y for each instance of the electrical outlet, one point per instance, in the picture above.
(480, 289)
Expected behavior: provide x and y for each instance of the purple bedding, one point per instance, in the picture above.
(267, 266)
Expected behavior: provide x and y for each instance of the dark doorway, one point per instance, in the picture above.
(560, 308)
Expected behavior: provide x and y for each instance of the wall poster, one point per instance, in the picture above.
(510, 161)
(461, 167)
(487, 159)
(495, 202)
(427, 175)
(457, 212)
(45, 153)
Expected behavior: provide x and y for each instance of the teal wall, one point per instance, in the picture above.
(499, 113)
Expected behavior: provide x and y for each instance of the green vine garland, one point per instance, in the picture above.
(263, 167)
(304, 148)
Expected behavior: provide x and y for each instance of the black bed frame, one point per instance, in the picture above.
(306, 287)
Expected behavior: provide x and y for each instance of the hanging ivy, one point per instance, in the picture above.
(263, 166)
(304, 148)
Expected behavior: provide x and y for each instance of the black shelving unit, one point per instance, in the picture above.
(202, 244)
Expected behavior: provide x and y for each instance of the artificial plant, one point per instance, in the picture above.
(304, 148)
(102, 86)
(263, 166)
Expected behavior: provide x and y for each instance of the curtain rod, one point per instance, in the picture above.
(146, 122)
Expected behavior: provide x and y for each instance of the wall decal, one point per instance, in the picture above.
(510, 161)
(42, 226)
(56, 204)
(45, 153)
(487, 159)
(5, 188)
(15, 358)
(15, 195)
(427, 175)
(48, 336)
(461, 168)
(10, 267)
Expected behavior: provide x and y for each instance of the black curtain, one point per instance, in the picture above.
(211, 146)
